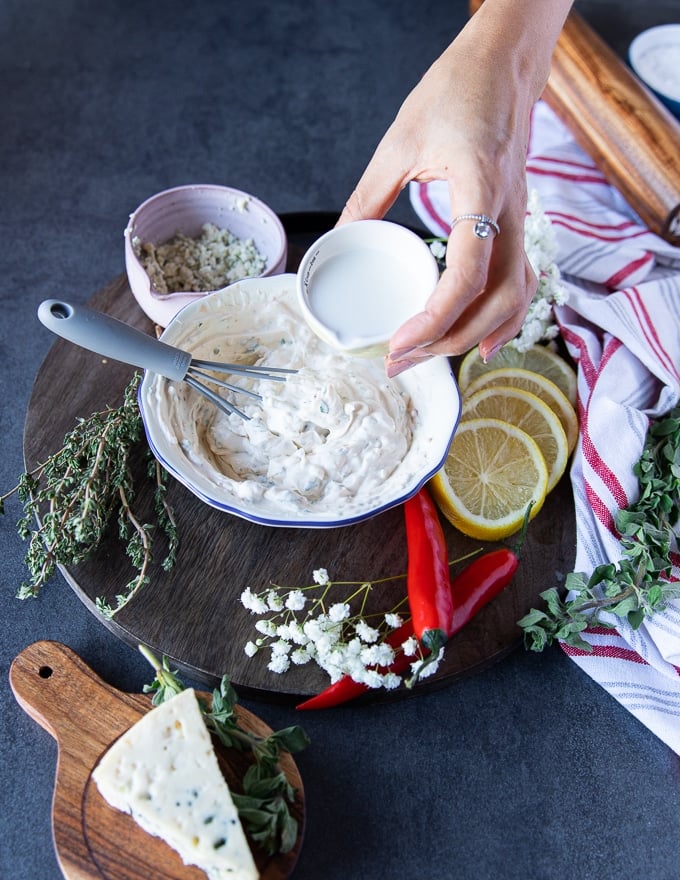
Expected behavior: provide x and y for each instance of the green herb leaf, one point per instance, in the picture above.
(638, 585)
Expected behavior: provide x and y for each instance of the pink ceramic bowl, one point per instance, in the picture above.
(185, 209)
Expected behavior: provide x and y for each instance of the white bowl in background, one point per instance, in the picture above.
(263, 315)
(655, 57)
(185, 209)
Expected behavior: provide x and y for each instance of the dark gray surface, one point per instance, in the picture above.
(529, 770)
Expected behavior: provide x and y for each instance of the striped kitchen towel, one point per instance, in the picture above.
(621, 325)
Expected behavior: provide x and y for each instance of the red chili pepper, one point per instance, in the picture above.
(480, 582)
(428, 581)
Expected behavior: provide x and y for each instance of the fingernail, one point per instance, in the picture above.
(492, 352)
(399, 353)
(394, 368)
(415, 351)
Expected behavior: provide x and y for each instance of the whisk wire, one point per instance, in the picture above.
(276, 373)
(214, 380)
(213, 397)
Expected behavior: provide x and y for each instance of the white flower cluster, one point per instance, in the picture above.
(540, 247)
(329, 633)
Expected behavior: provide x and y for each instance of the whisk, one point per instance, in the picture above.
(114, 339)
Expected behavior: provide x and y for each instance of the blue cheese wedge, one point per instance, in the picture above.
(164, 772)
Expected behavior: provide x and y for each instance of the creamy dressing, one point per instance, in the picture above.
(361, 294)
(328, 438)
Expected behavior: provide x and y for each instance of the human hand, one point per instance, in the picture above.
(467, 122)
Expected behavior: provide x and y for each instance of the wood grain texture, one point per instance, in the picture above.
(85, 716)
(193, 613)
(625, 129)
(630, 135)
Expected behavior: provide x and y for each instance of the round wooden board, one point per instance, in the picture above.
(192, 613)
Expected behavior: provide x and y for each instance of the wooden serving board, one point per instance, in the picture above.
(192, 613)
(85, 715)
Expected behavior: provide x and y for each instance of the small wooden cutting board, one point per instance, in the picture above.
(85, 716)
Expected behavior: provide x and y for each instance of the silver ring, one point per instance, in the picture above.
(483, 227)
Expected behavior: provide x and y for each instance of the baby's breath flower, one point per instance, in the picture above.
(391, 680)
(378, 655)
(410, 647)
(339, 611)
(300, 656)
(312, 629)
(252, 602)
(355, 669)
(279, 663)
(365, 632)
(354, 647)
(274, 601)
(266, 627)
(295, 600)
(372, 678)
(283, 631)
(424, 668)
(438, 249)
(324, 644)
(296, 633)
(313, 624)
(541, 248)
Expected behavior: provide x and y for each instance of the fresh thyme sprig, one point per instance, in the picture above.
(264, 805)
(639, 584)
(71, 498)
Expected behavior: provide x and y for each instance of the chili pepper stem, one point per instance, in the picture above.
(433, 640)
(517, 549)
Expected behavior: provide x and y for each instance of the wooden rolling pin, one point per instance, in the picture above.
(624, 128)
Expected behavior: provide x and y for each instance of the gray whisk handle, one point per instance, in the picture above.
(112, 338)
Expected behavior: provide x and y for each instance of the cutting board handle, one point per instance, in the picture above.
(58, 690)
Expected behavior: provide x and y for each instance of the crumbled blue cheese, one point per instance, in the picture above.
(164, 772)
(211, 261)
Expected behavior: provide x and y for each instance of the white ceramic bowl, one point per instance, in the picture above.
(359, 282)
(184, 430)
(655, 57)
(186, 209)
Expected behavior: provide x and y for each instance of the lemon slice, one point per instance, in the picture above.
(528, 412)
(538, 359)
(545, 389)
(492, 473)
